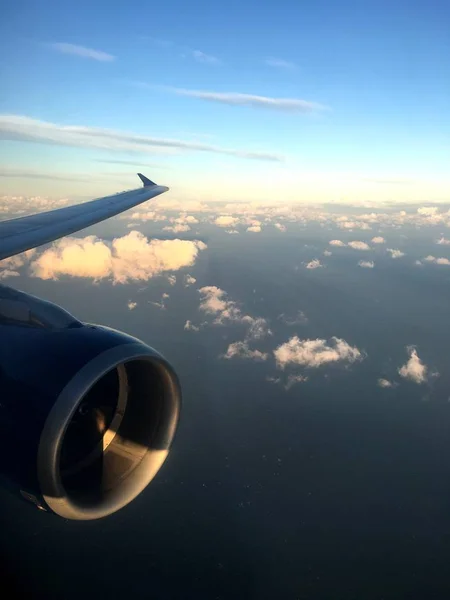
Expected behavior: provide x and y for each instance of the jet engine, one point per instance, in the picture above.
(87, 414)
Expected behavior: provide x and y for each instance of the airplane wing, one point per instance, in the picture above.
(24, 233)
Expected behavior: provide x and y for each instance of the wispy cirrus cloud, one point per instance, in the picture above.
(27, 129)
(82, 51)
(131, 163)
(28, 174)
(202, 57)
(279, 63)
(291, 105)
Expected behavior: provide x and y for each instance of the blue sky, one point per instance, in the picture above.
(368, 80)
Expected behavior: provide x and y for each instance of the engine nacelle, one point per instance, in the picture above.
(87, 413)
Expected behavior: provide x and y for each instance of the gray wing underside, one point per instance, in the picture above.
(18, 235)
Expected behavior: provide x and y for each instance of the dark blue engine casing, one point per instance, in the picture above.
(87, 413)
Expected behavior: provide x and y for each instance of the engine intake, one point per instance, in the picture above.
(87, 413)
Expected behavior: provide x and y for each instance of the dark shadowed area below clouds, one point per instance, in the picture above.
(335, 488)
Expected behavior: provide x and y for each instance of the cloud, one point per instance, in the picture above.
(258, 327)
(293, 379)
(241, 350)
(344, 224)
(25, 174)
(131, 305)
(385, 383)
(188, 219)
(82, 51)
(26, 129)
(337, 243)
(299, 319)
(327, 253)
(395, 253)
(128, 258)
(172, 281)
(9, 266)
(359, 245)
(254, 228)
(414, 369)
(438, 261)
(149, 215)
(188, 326)
(378, 240)
(131, 163)
(204, 58)
(177, 228)
(443, 241)
(189, 280)
(292, 105)
(314, 264)
(214, 301)
(232, 231)
(428, 211)
(280, 227)
(226, 221)
(5, 273)
(315, 353)
(279, 63)
(366, 264)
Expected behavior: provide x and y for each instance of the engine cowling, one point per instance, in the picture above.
(87, 413)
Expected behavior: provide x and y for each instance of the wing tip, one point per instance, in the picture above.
(145, 180)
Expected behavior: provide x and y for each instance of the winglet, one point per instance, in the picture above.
(145, 180)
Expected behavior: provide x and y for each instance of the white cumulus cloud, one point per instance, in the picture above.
(280, 227)
(189, 280)
(314, 264)
(385, 383)
(314, 353)
(241, 350)
(131, 257)
(177, 228)
(189, 326)
(438, 261)
(254, 228)
(337, 243)
(414, 369)
(359, 245)
(226, 221)
(443, 241)
(366, 264)
(395, 253)
(378, 240)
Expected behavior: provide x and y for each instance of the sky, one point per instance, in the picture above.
(304, 102)
(296, 275)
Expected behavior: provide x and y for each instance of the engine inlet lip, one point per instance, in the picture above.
(48, 458)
